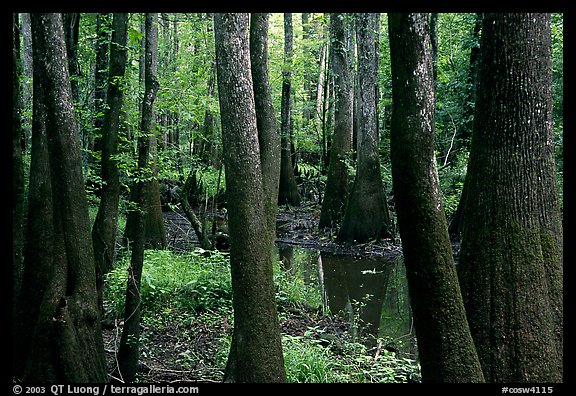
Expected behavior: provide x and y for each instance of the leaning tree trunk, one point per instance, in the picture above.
(256, 350)
(366, 216)
(57, 323)
(511, 256)
(445, 345)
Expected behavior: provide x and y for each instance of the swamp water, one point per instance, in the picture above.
(371, 293)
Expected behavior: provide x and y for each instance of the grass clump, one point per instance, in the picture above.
(192, 282)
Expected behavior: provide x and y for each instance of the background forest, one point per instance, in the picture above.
(186, 291)
(187, 110)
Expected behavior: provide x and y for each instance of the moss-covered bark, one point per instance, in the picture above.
(511, 257)
(256, 351)
(57, 328)
(336, 192)
(445, 346)
(268, 134)
(366, 217)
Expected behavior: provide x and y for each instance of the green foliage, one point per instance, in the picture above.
(198, 281)
(293, 290)
(308, 360)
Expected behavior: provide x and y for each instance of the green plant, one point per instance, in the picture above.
(191, 282)
(308, 361)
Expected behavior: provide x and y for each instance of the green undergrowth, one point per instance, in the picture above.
(190, 294)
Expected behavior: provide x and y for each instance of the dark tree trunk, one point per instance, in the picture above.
(511, 262)
(366, 216)
(128, 353)
(154, 232)
(100, 76)
(71, 24)
(336, 192)
(106, 224)
(58, 337)
(256, 350)
(268, 136)
(288, 188)
(18, 190)
(445, 345)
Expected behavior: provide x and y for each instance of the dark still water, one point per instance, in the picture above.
(370, 292)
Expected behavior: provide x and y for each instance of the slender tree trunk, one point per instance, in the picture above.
(366, 216)
(105, 225)
(336, 192)
(101, 76)
(511, 262)
(445, 345)
(71, 24)
(288, 189)
(58, 335)
(256, 350)
(129, 350)
(154, 232)
(268, 136)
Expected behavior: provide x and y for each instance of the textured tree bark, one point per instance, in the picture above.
(336, 193)
(256, 351)
(511, 257)
(366, 217)
(105, 225)
(268, 136)
(58, 336)
(445, 346)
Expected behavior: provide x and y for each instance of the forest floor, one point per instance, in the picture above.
(191, 350)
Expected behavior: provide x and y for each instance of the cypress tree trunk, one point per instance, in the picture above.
(445, 345)
(256, 351)
(268, 136)
(336, 193)
(366, 216)
(106, 224)
(57, 331)
(511, 256)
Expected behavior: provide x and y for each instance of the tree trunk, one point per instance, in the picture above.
(71, 25)
(256, 350)
(154, 232)
(336, 192)
(101, 65)
(366, 216)
(18, 189)
(58, 336)
(106, 223)
(511, 263)
(128, 353)
(288, 189)
(445, 345)
(268, 136)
